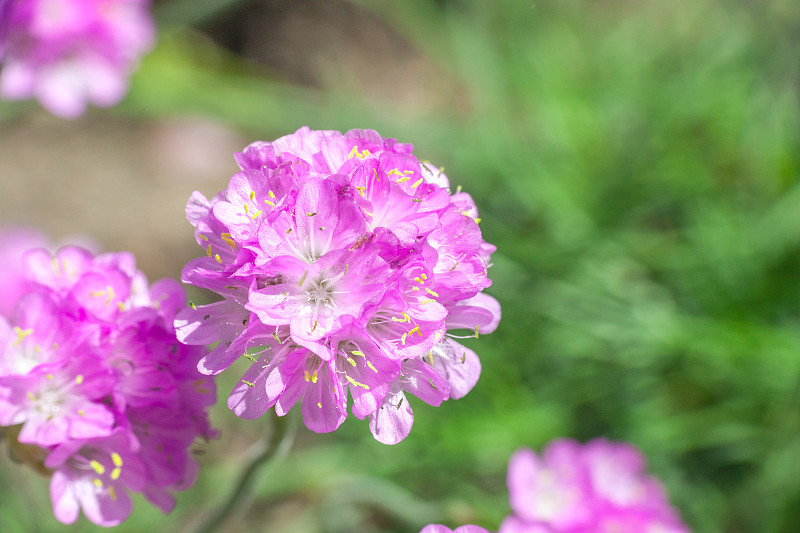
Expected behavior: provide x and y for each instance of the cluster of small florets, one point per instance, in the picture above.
(95, 389)
(14, 242)
(438, 528)
(599, 487)
(343, 262)
(66, 53)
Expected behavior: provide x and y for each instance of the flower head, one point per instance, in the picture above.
(596, 487)
(14, 242)
(438, 528)
(96, 386)
(343, 262)
(66, 53)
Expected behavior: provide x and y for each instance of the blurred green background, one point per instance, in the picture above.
(636, 164)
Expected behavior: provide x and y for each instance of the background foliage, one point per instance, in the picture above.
(636, 164)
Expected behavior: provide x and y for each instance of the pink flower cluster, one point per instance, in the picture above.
(97, 390)
(14, 242)
(598, 487)
(438, 528)
(70, 52)
(343, 261)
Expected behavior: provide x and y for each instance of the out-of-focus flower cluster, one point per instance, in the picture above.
(67, 53)
(598, 487)
(95, 389)
(344, 262)
(14, 242)
(438, 528)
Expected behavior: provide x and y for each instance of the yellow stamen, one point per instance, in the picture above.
(97, 467)
(356, 383)
(97, 483)
(227, 238)
(252, 194)
(79, 379)
(116, 459)
(432, 293)
(21, 334)
(416, 183)
(405, 318)
(369, 364)
(115, 475)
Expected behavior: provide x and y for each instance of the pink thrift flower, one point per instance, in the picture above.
(596, 487)
(14, 242)
(344, 264)
(67, 53)
(95, 476)
(91, 373)
(438, 528)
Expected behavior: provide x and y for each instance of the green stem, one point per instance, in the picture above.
(277, 446)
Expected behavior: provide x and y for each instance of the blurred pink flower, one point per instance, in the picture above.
(67, 53)
(14, 242)
(93, 377)
(597, 487)
(438, 528)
